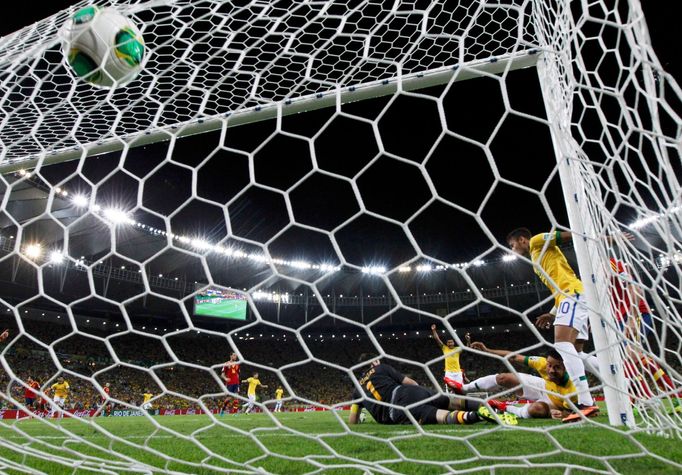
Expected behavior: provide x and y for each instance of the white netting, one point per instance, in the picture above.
(349, 229)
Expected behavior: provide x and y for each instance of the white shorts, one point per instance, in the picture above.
(456, 375)
(59, 401)
(534, 389)
(252, 399)
(573, 313)
(146, 406)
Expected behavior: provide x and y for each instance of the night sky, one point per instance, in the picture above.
(393, 191)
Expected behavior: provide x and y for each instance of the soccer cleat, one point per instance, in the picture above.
(509, 419)
(505, 418)
(454, 385)
(583, 411)
(485, 414)
(499, 405)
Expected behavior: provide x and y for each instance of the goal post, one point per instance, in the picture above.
(299, 188)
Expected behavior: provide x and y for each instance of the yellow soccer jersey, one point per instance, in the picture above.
(147, 397)
(253, 384)
(278, 394)
(554, 263)
(539, 364)
(61, 390)
(452, 358)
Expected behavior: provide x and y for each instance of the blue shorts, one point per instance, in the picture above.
(233, 388)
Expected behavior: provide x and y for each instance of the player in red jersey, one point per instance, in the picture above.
(230, 375)
(634, 318)
(30, 392)
(104, 403)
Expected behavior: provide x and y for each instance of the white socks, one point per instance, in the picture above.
(521, 412)
(576, 370)
(591, 363)
(484, 384)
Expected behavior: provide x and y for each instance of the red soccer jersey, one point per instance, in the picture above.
(30, 391)
(231, 373)
(619, 297)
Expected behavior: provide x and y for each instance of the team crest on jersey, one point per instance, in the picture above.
(548, 236)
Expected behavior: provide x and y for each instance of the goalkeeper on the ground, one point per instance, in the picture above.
(383, 385)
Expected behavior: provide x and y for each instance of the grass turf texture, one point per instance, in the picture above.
(543, 447)
(231, 309)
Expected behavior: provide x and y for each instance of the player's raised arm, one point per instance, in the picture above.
(4, 335)
(434, 332)
(477, 345)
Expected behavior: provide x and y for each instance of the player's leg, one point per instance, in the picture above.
(590, 361)
(571, 321)
(252, 400)
(532, 389)
(453, 381)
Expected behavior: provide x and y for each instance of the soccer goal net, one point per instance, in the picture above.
(287, 191)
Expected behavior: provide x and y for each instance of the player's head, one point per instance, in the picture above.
(366, 356)
(60, 380)
(233, 357)
(255, 375)
(519, 240)
(450, 343)
(106, 385)
(555, 366)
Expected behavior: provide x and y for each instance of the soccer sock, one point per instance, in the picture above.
(638, 385)
(462, 417)
(591, 363)
(484, 384)
(661, 377)
(522, 411)
(576, 370)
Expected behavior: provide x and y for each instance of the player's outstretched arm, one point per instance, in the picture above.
(477, 345)
(409, 381)
(434, 332)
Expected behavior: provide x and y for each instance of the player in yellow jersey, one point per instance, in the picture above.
(146, 398)
(549, 392)
(453, 372)
(61, 392)
(254, 382)
(570, 314)
(278, 397)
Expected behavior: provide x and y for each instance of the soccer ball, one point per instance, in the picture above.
(363, 416)
(102, 46)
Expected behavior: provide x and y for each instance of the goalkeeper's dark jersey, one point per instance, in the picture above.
(377, 385)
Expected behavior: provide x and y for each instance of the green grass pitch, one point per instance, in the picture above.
(243, 443)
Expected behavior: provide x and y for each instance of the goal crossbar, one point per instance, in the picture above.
(408, 82)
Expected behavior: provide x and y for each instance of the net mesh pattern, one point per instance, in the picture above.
(326, 223)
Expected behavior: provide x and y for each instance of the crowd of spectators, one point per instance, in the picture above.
(183, 369)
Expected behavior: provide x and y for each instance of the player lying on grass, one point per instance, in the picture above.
(549, 393)
(383, 383)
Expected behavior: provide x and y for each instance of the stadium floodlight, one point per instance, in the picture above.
(80, 201)
(201, 244)
(424, 268)
(404, 269)
(33, 251)
(56, 257)
(117, 216)
(509, 257)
